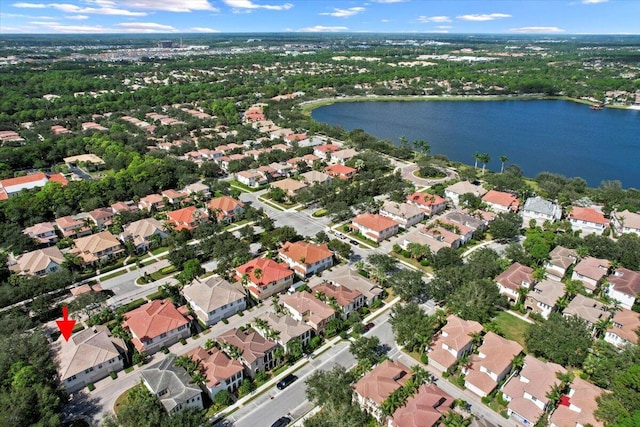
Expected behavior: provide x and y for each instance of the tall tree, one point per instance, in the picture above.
(503, 160)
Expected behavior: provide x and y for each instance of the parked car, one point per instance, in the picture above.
(281, 422)
(368, 326)
(354, 242)
(286, 381)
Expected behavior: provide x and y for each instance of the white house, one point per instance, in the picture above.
(626, 323)
(172, 385)
(587, 220)
(214, 299)
(590, 271)
(375, 227)
(561, 259)
(306, 258)
(221, 371)
(540, 210)
(456, 190)
(39, 262)
(405, 214)
(623, 286)
(452, 342)
(543, 297)
(627, 222)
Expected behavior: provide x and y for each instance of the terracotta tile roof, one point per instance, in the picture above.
(425, 199)
(340, 170)
(308, 306)
(327, 148)
(587, 309)
(583, 396)
(225, 204)
(383, 380)
(173, 194)
(456, 334)
(271, 271)
(9, 182)
(424, 409)
(310, 252)
(91, 245)
(374, 222)
(625, 325)
(547, 292)
(501, 198)
(625, 281)
(35, 261)
(217, 365)
(629, 219)
(593, 268)
(154, 319)
(252, 345)
(152, 198)
(515, 275)
(495, 354)
(59, 178)
(288, 327)
(101, 213)
(344, 296)
(186, 217)
(588, 215)
(289, 185)
(563, 257)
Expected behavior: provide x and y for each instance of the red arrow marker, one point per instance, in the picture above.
(66, 325)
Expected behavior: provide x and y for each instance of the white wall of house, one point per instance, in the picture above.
(274, 287)
(213, 317)
(615, 339)
(230, 384)
(91, 375)
(380, 236)
(404, 221)
(308, 269)
(586, 280)
(625, 300)
(165, 340)
(587, 227)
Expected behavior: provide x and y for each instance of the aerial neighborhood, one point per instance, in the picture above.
(228, 259)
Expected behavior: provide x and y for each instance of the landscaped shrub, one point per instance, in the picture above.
(113, 375)
(165, 350)
(91, 387)
(225, 321)
(183, 341)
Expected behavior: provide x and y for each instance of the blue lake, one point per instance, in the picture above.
(538, 135)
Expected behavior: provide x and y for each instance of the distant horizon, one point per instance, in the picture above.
(549, 17)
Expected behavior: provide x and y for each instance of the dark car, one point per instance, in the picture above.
(281, 422)
(354, 242)
(368, 326)
(286, 381)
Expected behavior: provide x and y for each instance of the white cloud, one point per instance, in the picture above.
(59, 28)
(344, 13)
(248, 4)
(384, 20)
(483, 17)
(537, 30)
(30, 5)
(168, 5)
(390, 1)
(202, 30)
(425, 19)
(594, 1)
(321, 29)
(444, 27)
(77, 17)
(146, 27)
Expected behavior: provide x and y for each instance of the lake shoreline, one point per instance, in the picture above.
(309, 106)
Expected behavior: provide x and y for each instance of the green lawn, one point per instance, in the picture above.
(112, 275)
(160, 250)
(512, 327)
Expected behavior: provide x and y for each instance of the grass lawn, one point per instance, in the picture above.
(123, 398)
(512, 327)
(160, 250)
(413, 262)
(241, 186)
(363, 239)
(112, 275)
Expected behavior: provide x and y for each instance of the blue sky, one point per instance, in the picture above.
(425, 16)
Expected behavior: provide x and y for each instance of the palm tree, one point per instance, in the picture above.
(257, 273)
(484, 159)
(275, 302)
(503, 160)
(476, 156)
(602, 325)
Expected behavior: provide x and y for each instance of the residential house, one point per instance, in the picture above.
(543, 297)
(351, 279)
(626, 324)
(423, 409)
(198, 188)
(324, 151)
(434, 236)
(431, 204)
(454, 340)
(174, 197)
(264, 277)
(587, 220)
(221, 371)
(341, 171)
(348, 300)
(290, 186)
(39, 262)
(404, 214)
(255, 352)
(172, 385)
(491, 365)
(140, 233)
(304, 306)
(343, 156)
(43, 233)
(501, 202)
(463, 231)
(128, 206)
(463, 218)
(102, 217)
(100, 247)
(187, 218)
(225, 208)
(306, 258)
(591, 271)
(375, 227)
(87, 357)
(540, 210)
(152, 201)
(157, 324)
(456, 190)
(11, 186)
(284, 329)
(315, 177)
(515, 278)
(213, 299)
(72, 227)
(626, 222)
(587, 309)
(576, 408)
(561, 259)
(527, 392)
(623, 286)
(378, 384)
(251, 178)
